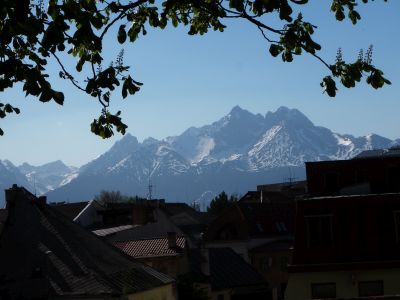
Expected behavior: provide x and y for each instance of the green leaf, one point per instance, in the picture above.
(275, 49)
(329, 86)
(121, 34)
(58, 97)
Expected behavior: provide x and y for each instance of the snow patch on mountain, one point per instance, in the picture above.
(344, 141)
(204, 148)
(238, 151)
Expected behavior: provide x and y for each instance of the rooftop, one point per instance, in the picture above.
(70, 210)
(44, 253)
(228, 270)
(156, 247)
(379, 153)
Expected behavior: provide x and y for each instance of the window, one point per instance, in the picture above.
(362, 176)
(319, 231)
(331, 183)
(284, 263)
(393, 179)
(323, 290)
(282, 290)
(396, 215)
(266, 263)
(370, 288)
(280, 226)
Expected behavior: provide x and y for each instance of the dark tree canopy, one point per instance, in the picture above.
(106, 197)
(32, 32)
(220, 203)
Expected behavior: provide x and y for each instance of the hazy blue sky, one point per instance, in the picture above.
(192, 81)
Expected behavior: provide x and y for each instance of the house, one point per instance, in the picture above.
(85, 213)
(277, 192)
(346, 247)
(168, 255)
(261, 233)
(226, 276)
(156, 233)
(371, 172)
(150, 218)
(347, 234)
(43, 254)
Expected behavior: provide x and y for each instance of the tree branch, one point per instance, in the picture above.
(125, 8)
(69, 76)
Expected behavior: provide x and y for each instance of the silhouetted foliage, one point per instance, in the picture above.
(33, 32)
(116, 197)
(220, 202)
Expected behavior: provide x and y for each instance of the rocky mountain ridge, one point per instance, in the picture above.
(233, 154)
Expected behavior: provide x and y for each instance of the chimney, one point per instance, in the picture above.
(41, 202)
(171, 239)
(11, 195)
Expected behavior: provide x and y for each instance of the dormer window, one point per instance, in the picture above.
(331, 183)
(396, 216)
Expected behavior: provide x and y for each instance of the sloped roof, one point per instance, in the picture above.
(151, 247)
(111, 230)
(379, 153)
(160, 228)
(175, 209)
(70, 210)
(269, 218)
(228, 269)
(44, 253)
(3, 218)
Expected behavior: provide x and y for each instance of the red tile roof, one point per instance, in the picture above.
(151, 247)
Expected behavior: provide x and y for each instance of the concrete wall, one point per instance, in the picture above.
(172, 266)
(299, 285)
(270, 264)
(227, 294)
(166, 292)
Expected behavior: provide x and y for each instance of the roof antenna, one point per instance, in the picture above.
(150, 190)
(291, 178)
(34, 183)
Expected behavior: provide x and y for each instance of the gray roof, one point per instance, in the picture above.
(42, 252)
(228, 270)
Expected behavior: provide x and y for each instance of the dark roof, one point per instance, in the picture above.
(253, 196)
(299, 186)
(70, 210)
(228, 269)
(159, 228)
(42, 252)
(273, 245)
(177, 208)
(379, 153)
(268, 218)
(151, 247)
(3, 218)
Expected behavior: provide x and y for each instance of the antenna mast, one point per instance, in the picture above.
(150, 190)
(34, 182)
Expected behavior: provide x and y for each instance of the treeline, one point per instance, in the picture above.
(117, 197)
(216, 206)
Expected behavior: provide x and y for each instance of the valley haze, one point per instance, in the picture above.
(234, 154)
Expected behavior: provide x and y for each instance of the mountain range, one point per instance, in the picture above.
(235, 153)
